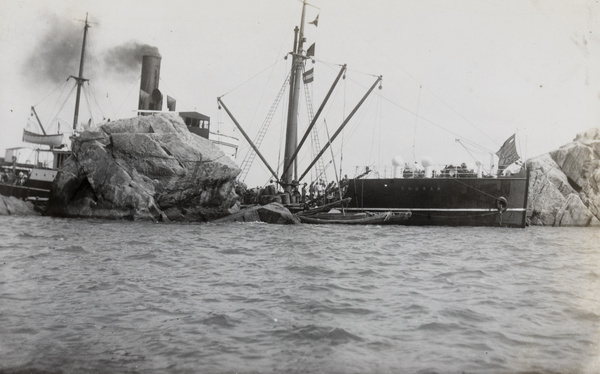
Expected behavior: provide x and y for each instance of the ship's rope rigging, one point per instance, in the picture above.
(327, 109)
(416, 113)
(98, 80)
(56, 108)
(134, 84)
(416, 125)
(431, 122)
(53, 111)
(235, 88)
(387, 56)
(457, 180)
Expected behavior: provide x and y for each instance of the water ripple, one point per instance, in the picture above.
(89, 296)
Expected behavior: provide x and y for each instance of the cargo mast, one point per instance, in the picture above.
(291, 137)
(79, 79)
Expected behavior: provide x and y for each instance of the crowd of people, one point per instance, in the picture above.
(12, 178)
(314, 194)
(320, 193)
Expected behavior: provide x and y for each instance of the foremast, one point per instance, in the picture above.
(79, 79)
(291, 138)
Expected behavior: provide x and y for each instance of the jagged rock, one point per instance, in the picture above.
(12, 206)
(270, 213)
(564, 187)
(145, 168)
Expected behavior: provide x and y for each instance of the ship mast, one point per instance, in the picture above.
(291, 137)
(79, 79)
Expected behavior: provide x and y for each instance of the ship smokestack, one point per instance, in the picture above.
(150, 96)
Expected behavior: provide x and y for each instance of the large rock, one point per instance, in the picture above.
(145, 168)
(12, 206)
(564, 187)
(269, 213)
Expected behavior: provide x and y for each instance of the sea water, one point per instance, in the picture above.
(91, 296)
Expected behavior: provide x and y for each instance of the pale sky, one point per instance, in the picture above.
(479, 70)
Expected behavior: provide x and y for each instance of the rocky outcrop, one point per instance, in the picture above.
(564, 187)
(269, 213)
(145, 168)
(12, 206)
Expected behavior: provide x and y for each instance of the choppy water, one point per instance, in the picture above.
(81, 296)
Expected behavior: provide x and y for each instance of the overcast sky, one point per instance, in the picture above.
(479, 70)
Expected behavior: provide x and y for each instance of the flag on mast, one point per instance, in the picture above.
(315, 22)
(507, 154)
(309, 75)
(310, 52)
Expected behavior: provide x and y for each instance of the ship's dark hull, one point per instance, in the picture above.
(36, 188)
(445, 201)
(24, 192)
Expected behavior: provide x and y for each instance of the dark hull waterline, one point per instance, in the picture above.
(445, 201)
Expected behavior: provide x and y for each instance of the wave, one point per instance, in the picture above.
(72, 249)
(333, 336)
(220, 320)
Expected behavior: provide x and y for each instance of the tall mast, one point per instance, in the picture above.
(291, 137)
(79, 79)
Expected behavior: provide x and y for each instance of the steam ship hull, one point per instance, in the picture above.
(37, 188)
(500, 202)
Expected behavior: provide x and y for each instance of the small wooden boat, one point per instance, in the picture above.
(366, 218)
(52, 140)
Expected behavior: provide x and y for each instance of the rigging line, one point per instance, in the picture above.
(165, 85)
(251, 78)
(136, 82)
(426, 119)
(355, 123)
(372, 144)
(98, 79)
(379, 122)
(416, 123)
(310, 5)
(281, 138)
(481, 148)
(60, 85)
(344, 102)
(331, 64)
(94, 97)
(463, 117)
(478, 190)
(436, 96)
(467, 149)
(87, 99)
(63, 104)
(56, 107)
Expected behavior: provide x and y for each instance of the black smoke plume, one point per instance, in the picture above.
(127, 58)
(57, 55)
